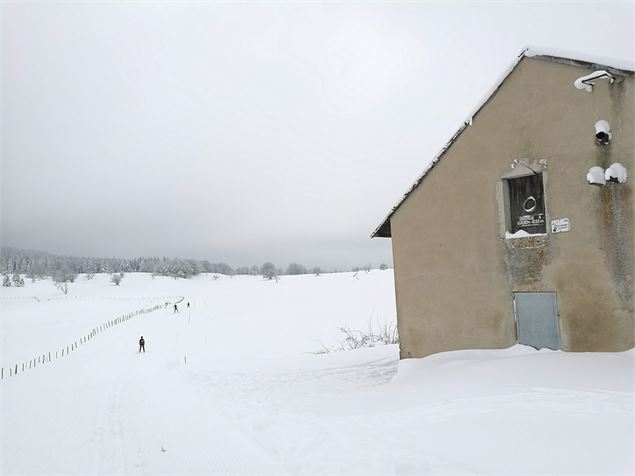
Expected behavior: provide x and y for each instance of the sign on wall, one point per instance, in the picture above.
(527, 204)
(560, 225)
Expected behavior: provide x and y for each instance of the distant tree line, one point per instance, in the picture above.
(39, 264)
(62, 269)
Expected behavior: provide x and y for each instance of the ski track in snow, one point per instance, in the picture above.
(229, 410)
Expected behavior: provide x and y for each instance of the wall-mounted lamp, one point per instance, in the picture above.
(584, 82)
(595, 176)
(616, 173)
(603, 132)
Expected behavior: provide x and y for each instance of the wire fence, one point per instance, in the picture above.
(49, 357)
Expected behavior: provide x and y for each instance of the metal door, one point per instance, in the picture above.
(536, 317)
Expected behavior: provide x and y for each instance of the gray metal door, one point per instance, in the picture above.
(536, 317)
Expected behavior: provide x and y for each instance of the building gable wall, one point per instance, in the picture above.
(455, 273)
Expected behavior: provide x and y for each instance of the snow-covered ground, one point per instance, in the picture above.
(232, 386)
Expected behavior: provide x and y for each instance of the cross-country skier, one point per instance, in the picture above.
(176, 309)
(142, 345)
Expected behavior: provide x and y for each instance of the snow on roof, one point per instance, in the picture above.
(620, 67)
(563, 56)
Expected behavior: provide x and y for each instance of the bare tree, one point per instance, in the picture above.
(295, 268)
(268, 270)
(62, 286)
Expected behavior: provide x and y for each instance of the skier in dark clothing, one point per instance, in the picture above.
(142, 345)
(188, 305)
(176, 309)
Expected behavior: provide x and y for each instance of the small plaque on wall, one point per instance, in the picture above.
(560, 225)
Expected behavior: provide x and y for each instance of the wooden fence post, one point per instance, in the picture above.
(16, 369)
(2, 373)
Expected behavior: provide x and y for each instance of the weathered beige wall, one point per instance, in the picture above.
(455, 274)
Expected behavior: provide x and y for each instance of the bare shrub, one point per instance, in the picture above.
(381, 334)
(62, 286)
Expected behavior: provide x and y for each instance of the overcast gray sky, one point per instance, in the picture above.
(246, 132)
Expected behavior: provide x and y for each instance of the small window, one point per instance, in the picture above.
(526, 204)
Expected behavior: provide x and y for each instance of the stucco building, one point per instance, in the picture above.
(502, 239)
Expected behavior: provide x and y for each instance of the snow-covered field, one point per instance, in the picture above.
(232, 386)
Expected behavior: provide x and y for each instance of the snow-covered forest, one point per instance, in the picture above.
(39, 264)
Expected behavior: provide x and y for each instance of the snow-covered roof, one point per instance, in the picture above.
(620, 67)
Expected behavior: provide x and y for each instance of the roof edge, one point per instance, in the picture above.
(386, 228)
(612, 65)
(623, 68)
